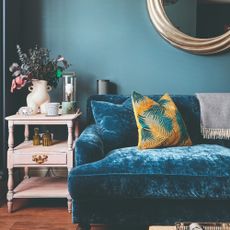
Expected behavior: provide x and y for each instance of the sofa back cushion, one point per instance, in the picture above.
(116, 123)
(187, 105)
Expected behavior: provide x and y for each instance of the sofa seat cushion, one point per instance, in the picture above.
(189, 172)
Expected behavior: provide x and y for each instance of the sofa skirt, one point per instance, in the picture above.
(150, 212)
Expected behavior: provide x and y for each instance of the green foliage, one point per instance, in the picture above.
(37, 64)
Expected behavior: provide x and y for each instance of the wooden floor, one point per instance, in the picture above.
(42, 214)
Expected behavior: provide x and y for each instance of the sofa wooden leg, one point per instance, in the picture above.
(127, 227)
(83, 227)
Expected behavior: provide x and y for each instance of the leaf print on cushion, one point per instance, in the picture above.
(159, 123)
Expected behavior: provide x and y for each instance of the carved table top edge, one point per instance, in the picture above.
(43, 117)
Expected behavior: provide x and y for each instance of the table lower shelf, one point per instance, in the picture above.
(42, 187)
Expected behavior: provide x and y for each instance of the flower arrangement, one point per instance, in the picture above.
(37, 64)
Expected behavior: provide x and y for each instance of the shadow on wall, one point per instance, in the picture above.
(31, 30)
(113, 88)
(88, 86)
(15, 34)
(26, 33)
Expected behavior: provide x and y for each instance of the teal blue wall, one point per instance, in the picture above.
(114, 39)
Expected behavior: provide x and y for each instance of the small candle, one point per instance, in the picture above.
(69, 90)
(69, 86)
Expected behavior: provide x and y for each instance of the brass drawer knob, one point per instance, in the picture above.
(40, 158)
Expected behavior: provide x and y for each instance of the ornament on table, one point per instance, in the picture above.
(26, 111)
(69, 104)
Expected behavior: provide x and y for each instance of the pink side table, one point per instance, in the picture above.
(26, 156)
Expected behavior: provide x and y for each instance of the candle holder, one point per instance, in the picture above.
(69, 104)
(69, 86)
(103, 87)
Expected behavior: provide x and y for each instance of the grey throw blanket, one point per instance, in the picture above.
(215, 115)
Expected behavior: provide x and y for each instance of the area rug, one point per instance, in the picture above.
(204, 226)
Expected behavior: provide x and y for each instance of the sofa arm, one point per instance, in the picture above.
(89, 146)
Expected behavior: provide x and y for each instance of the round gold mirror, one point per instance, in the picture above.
(177, 22)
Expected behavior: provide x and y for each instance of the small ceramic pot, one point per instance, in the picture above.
(52, 109)
(69, 107)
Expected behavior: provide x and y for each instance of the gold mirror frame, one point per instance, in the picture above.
(179, 39)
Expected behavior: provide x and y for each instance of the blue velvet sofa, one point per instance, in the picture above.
(127, 186)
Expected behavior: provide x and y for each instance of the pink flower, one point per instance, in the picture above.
(13, 86)
(18, 83)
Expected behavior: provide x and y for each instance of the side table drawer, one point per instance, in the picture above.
(40, 159)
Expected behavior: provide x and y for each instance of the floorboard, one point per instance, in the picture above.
(42, 214)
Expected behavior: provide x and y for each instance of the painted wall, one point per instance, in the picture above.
(1, 98)
(9, 102)
(114, 39)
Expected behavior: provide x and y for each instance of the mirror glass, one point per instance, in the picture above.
(199, 18)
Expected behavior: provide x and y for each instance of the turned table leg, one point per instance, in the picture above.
(26, 133)
(10, 183)
(69, 203)
(69, 199)
(70, 160)
(83, 227)
(26, 136)
(26, 173)
(11, 136)
(70, 136)
(10, 190)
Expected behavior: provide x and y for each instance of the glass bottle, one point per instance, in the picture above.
(36, 137)
(49, 137)
(46, 139)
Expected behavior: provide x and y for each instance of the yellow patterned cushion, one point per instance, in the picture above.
(159, 123)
